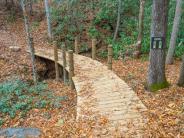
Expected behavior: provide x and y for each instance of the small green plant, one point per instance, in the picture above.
(1, 121)
(18, 97)
(84, 47)
(34, 25)
(11, 18)
(93, 32)
(103, 54)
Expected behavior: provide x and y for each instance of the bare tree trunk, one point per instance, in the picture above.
(141, 26)
(12, 2)
(30, 41)
(6, 2)
(178, 12)
(156, 72)
(30, 7)
(118, 20)
(181, 77)
(47, 9)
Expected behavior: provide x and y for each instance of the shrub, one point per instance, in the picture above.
(18, 97)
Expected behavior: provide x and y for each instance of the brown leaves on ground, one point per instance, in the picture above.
(165, 107)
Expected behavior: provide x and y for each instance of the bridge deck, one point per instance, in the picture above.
(100, 91)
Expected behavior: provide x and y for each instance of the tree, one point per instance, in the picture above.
(118, 20)
(178, 13)
(181, 77)
(156, 72)
(30, 7)
(141, 27)
(47, 9)
(29, 40)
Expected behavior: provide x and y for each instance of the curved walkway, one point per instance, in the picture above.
(101, 92)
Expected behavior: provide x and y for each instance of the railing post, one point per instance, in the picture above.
(71, 68)
(56, 61)
(110, 54)
(76, 46)
(64, 63)
(94, 49)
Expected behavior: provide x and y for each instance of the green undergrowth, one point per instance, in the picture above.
(97, 19)
(18, 97)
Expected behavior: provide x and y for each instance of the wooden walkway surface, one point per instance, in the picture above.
(101, 92)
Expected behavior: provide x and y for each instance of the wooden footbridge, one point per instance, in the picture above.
(100, 91)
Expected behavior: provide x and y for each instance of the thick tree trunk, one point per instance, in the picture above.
(30, 41)
(178, 12)
(47, 10)
(181, 78)
(141, 25)
(118, 20)
(156, 72)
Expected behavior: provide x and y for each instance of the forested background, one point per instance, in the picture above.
(97, 19)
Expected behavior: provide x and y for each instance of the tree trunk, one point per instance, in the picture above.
(141, 25)
(6, 2)
(178, 12)
(47, 9)
(30, 41)
(118, 20)
(181, 78)
(156, 72)
(30, 7)
(12, 2)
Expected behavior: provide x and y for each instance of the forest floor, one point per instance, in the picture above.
(165, 107)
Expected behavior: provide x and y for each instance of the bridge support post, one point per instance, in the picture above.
(71, 68)
(64, 63)
(56, 61)
(94, 49)
(76, 46)
(110, 54)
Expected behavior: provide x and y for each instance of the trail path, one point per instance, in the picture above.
(101, 92)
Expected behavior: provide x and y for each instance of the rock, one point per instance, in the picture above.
(20, 132)
(14, 48)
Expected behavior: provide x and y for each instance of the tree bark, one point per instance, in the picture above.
(141, 25)
(12, 2)
(6, 2)
(181, 77)
(47, 10)
(178, 13)
(30, 7)
(30, 41)
(156, 72)
(118, 20)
